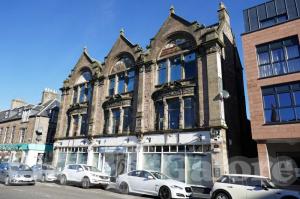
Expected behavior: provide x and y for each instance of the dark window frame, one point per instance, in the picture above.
(270, 47)
(274, 91)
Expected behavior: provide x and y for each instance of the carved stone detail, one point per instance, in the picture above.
(117, 101)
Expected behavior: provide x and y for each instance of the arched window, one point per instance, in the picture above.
(177, 61)
(122, 79)
(83, 88)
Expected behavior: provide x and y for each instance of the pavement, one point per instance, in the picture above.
(55, 191)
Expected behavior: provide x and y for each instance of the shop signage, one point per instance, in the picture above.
(113, 149)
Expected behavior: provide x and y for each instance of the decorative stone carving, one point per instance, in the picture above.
(78, 108)
(117, 101)
(174, 89)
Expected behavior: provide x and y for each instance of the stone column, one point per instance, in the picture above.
(110, 122)
(166, 119)
(120, 131)
(116, 84)
(79, 125)
(71, 126)
(181, 114)
(263, 158)
(62, 116)
(139, 127)
(96, 112)
(213, 57)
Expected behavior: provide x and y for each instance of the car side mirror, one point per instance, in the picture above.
(79, 169)
(264, 187)
(150, 177)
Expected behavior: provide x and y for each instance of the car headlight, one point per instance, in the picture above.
(176, 187)
(94, 175)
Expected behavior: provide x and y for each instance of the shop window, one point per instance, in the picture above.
(279, 57)
(190, 66)
(152, 161)
(61, 160)
(115, 120)
(126, 119)
(82, 158)
(174, 166)
(198, 169)
(189, 114)
(173, 113)
(282, 103)
(159, 115)
(72, 157)
(132, 161)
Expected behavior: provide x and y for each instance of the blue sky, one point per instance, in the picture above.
(41, 40)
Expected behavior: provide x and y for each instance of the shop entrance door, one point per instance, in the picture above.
(115, 164)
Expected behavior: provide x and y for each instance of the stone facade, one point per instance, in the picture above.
(28, 130)
(219, 125)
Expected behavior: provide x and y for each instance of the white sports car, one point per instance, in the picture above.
(153, 183)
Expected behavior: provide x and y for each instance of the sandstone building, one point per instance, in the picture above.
(27, 131)
(160, 108)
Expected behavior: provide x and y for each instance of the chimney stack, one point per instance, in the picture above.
(49, 94)
(16, 103)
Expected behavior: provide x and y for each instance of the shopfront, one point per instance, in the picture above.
(29, 154)
(186, 157)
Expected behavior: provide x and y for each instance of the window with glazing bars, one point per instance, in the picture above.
(282, 103)
(279, 57)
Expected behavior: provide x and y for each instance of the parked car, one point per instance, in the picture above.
(84, 175)
(236, 186)
(16, 173)
(44, 173)
(152, 183)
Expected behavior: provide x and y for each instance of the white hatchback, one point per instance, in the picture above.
(84, 175)
(237, 186)
(153, 183)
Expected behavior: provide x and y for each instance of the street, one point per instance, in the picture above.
(55, 191)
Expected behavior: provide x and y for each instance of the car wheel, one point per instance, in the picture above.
(6, 181)
(43, 178)
(63, 180)
(124, 188)
(165, 193)
(85, 183)
(221, 195)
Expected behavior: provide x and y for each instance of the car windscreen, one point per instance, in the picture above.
(48, 167)
(20, 167)
(90, 168)
(160, 175)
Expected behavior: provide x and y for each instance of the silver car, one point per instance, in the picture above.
(16, 173)
(44, 173)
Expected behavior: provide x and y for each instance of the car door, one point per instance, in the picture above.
(148, 183)
(1, 172)
(135, 181)
(255, 189)
(70, 172)
(235, 187)
(79, 173)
